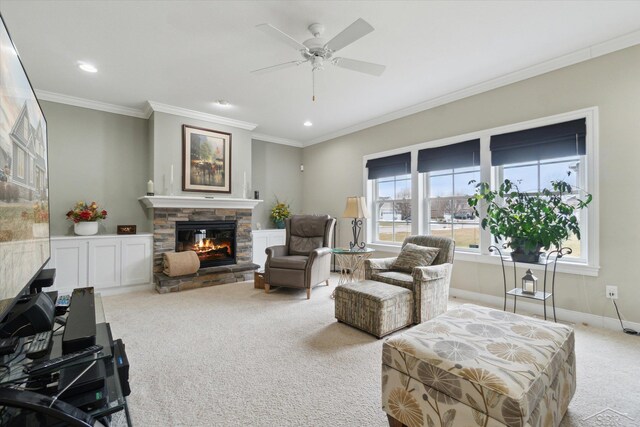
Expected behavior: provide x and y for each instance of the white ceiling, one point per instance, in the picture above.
(188, 54)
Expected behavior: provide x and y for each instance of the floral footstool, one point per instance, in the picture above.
(475, 366)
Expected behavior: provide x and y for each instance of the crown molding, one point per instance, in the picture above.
(276, 140)
(148, 111)
(184, 112)
(90, 104)
(581, 55)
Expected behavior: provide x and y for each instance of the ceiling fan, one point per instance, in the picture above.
(318, 52)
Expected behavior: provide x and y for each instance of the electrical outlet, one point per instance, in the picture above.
(612, 292)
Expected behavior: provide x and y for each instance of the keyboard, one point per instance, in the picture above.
(39, 345)
(51, 364)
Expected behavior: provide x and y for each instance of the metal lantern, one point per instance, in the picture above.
(529, 283)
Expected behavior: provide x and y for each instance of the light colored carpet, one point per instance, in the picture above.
(232, 355)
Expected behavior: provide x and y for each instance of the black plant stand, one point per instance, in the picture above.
(546, 259)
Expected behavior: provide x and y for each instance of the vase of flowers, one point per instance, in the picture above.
(85, 218)
(279, 213)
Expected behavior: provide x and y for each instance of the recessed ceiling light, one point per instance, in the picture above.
(308, 123)
(223, 103)
(87, 67)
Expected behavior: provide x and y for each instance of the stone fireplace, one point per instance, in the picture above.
(231, 261)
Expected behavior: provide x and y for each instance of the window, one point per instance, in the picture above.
(448, 170)
(432, 197)
(533, 158)
(392, 208)
(448, 213)
(390, 180)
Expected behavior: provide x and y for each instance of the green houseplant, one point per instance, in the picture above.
(528, 221)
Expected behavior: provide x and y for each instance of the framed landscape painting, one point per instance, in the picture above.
(206, 160)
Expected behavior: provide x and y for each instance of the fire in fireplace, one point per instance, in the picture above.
(213, 241)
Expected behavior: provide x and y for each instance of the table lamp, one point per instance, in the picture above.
(356, 209)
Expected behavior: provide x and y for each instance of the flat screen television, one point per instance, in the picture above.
(24, 179)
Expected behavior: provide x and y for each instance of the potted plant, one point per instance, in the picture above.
(85, 218)
(279, 213)
(529, 221)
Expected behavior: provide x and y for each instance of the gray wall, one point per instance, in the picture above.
(609, 82)
(276, 173)
(96, 156)
(167, 151)
(114, 156)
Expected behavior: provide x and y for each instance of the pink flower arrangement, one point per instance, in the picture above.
(84, 212)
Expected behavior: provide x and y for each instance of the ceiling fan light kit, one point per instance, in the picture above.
(318, 52)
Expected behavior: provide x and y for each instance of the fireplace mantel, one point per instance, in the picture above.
(207, 202)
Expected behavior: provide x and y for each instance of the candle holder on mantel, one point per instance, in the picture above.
(171, 193)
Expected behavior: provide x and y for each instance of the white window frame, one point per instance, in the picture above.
(427, 218)
(590, 227)
(374, 208)
(581, 182)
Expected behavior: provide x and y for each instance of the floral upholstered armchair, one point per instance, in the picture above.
(429, 284)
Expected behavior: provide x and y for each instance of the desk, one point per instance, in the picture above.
(351, 262)
(14, 375)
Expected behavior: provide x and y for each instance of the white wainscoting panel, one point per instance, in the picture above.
(102, 261)
(262, 239)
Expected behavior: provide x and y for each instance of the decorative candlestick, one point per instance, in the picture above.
(244, 185)
(171, 182)
(150, 188)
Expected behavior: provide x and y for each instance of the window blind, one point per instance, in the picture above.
(460, 155)
(384, 167)
(546, 142)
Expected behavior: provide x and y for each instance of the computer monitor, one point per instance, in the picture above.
(24, 179)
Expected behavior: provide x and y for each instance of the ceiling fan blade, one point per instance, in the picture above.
(361, 66)
(353, 32)
(278, 67)
(282, 36)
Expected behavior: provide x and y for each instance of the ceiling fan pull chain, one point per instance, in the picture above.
(313, 84)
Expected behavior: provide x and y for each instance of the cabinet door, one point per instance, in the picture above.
(262, 239)
(277, 237)
(69, 258)
(136, 261)
(104, 263)
(260, 243)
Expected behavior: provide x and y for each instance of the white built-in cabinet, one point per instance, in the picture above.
(262, 239)
(101, 261)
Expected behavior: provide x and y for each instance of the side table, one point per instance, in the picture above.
(258, 279)
(351, 262)
(550, 258)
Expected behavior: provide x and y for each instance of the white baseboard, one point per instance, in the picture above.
(536, 308)
(125, 289)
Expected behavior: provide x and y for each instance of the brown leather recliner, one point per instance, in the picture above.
(305, 260)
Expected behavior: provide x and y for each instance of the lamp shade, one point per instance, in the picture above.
(356, 208)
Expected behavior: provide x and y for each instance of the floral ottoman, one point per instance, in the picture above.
(475, 366)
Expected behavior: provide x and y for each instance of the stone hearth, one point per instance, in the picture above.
(210, 276)
(164, 240)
